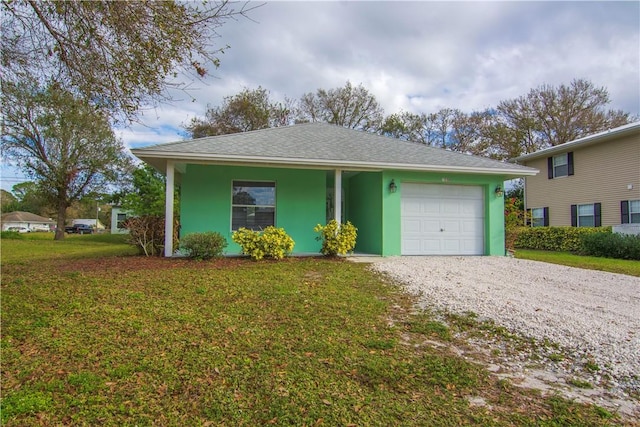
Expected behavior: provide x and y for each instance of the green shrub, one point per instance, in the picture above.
(203, 246)
(11, 235)
(612, 245)
(271, 242)
(337, 239)
(563, 239)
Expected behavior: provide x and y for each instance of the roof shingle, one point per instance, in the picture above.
(325, 144)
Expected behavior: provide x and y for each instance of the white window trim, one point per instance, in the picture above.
(593, 214)
(254, 206)
(533, 217)
(565, 158)
(631, 213)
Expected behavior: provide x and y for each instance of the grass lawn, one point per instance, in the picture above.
(91, 336)
(611, 265)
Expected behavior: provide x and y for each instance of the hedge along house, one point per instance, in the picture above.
(405, 198)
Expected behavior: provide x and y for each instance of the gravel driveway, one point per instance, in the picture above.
(592, 313)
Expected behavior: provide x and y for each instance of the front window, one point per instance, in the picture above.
(253, 205)
(537, 217)
(586, 216)
(634, 211)
(560, 165)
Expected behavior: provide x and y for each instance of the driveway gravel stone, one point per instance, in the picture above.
(591, 314)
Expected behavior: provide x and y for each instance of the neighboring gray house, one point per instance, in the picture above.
(28, 220)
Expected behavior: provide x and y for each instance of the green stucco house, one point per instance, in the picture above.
(405, 198)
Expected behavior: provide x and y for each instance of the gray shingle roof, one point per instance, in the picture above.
(323, 145)
(19, 216)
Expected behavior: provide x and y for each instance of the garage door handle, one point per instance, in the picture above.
(441, 230)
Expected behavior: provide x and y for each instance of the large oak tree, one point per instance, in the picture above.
(119, 55)
(62, 142)
(348, 106)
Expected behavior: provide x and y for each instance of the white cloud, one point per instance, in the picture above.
(416, 56)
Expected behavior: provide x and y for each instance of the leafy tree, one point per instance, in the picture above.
(147, 194)
(348, 106)
(29, 199)
(246, 111)
(117, 55)
(406, 126)
(65, 145)
(549, 116)
(8, 201)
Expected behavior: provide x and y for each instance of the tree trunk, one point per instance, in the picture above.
(62, 216)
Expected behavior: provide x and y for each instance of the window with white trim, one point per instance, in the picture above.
(560, 165)
(537, 217)
(253, 204)
(120, 219)
(586, 216)
(634, 211)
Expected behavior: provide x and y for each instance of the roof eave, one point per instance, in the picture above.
(323, 164)
(621, 131)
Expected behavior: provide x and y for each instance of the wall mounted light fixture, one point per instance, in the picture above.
(499, 191)
(393, 187)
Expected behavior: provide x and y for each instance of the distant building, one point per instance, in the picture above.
(118, 217)
(27, 220)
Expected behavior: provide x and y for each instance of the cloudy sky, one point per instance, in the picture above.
(415, 56)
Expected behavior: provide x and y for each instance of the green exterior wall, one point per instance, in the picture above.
(494, 207)
(205, 203)
(301, 204)
(365, 210)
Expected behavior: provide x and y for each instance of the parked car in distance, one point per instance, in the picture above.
(79, 229)
(19, 229)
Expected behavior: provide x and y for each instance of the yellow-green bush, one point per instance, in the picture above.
(563, 239)
(271, 242)
(337, 239)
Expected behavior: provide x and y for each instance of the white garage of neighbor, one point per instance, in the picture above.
(442, 219)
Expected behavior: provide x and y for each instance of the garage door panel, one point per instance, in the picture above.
(410, 225)
(450, 207)
(449, 220)
(411, 246)
(411, 206)
(471, 226)
(430, 226)
(430, 245)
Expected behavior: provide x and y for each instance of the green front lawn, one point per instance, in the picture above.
(93, 337)
(611, 265)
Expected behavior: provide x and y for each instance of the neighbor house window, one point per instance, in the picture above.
(253, 205)
(121, 218)
(586, 215)
(630, 211)
(539, 217)
(560, 165)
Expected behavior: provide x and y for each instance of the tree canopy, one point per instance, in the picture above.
(348, 106)
(546, 116)
(251, 109)
(62, 142)
(117, 55)
(146, 194)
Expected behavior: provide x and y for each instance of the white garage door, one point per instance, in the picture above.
(442, 219)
